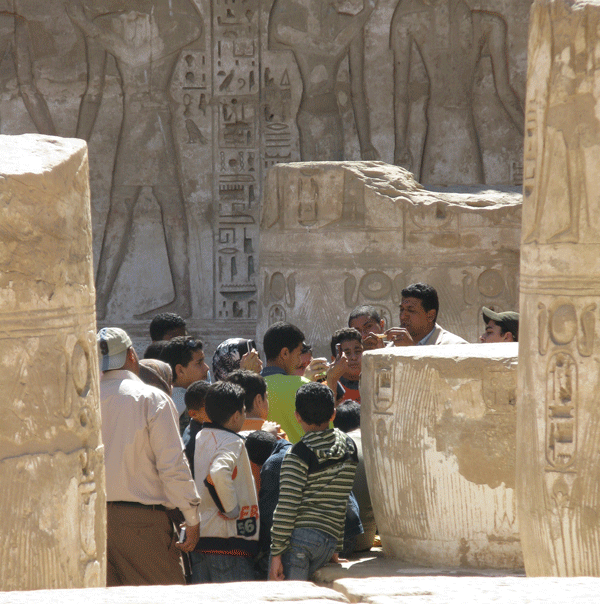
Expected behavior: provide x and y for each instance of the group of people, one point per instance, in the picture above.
(258, 474)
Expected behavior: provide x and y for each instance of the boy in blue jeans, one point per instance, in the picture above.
(229, 508)
(316, 478)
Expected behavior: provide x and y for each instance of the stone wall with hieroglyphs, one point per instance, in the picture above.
(186, 104)
(366, 231)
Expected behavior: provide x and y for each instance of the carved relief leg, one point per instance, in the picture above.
(321, 136)
(114, 243)
(175, 229)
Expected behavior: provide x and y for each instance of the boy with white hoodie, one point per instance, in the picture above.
(229, 508)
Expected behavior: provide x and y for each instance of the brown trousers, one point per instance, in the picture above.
(141, 547)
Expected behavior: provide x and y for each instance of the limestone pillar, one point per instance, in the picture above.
(439, 431)
(558, 480)
(52, 508)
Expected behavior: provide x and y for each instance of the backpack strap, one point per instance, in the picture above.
(309, 457)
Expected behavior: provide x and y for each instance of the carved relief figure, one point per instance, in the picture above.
(14, 35)
(450, 39)
(570, 146)
(145, 39)
(321, 33)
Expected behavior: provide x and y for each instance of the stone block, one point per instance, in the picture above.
(338, 234)
(53, 508)
(439, 441)
(558, 484)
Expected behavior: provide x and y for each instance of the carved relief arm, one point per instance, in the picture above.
(359, 99)
(401, 43)
(287, 32)
(112, 42)
(34, 101)
(92, 97)
(355, 25)
(495, 29)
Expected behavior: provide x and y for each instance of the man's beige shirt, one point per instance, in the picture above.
(143, 452)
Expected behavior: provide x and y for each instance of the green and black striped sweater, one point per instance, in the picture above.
(316, 478)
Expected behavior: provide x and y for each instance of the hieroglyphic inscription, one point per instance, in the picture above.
(236, 147)
(561, 412)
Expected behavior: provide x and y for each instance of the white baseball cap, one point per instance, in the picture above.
(113, 344)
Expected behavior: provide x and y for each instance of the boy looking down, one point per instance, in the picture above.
(229, 510)
(316, 478)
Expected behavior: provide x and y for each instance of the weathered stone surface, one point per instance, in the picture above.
(559, 417)
(483, 590)
(250, 593)
(439, 438)
(186, 103)
(53, 505)
(335, 235)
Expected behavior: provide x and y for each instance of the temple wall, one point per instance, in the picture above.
(336, 235)
(186, 104)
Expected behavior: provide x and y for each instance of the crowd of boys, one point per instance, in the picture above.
(259, 482)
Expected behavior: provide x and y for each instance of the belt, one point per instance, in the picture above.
(135, 504)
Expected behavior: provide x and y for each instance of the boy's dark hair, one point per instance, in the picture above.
(347, 416)
(314, 403)
(195, 395)
(342, 335)
(426, 293)
(154, 349)
(279, 336)
(251, 382)
(366, 310)
(179, 351)
(222, 400)
(164, 322)
(260, 445)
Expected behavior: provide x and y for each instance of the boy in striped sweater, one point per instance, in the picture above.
(316, 478)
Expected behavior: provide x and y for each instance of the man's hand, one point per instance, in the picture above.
(316, 370)
(276, 569)
(336, 559)
(373, 341)
(271, 427)
(192, 534)
(400, 337)
(251, 361)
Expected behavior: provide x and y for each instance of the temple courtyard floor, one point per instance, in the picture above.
(371, 579)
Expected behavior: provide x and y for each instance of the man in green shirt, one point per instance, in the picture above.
(282, 345)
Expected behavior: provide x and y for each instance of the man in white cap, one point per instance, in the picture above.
(146, 472)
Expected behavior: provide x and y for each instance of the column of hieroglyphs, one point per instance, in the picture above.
(53, 508)
(559, 418)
